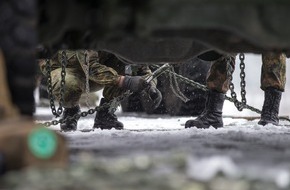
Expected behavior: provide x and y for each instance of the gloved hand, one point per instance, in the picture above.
(134, 83)
(151, 98)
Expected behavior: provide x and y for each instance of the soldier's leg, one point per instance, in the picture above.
(105, 118)
(74, 87)
(273, 79)
(218, 83)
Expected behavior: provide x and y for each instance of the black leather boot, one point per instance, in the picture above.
(212, 115)
(271, 106)
(71, 124)
(106, 120)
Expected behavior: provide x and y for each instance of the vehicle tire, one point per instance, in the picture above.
(132, 104)
(161, 109)
(18, 20)
(195, 70)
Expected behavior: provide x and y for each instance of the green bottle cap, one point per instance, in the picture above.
(42, 143)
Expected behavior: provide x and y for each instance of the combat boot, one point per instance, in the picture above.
(106, 120)
(271, 106)
(212, 115)
(71, 124)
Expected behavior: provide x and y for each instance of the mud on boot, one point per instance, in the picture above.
(271, 106)
(71, 124)
(212, 115)
(106, 120)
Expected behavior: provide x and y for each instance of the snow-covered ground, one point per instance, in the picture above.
(240, 149)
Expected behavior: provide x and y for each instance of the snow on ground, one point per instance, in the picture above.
(240, 149)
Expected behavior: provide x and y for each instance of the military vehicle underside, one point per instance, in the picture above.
(160, 31)
(165, 30)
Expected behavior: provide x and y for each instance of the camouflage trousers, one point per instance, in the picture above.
(273, 72)
(75, 86)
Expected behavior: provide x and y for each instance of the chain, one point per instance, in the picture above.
(49, 87)
(115, 102)
(76, 116)
(87, 73)
(56, 112)
(112, 108)
(239, 105)
(62, 81)
(204, 88)
(243, 76)
(175, 87)
(184, 79)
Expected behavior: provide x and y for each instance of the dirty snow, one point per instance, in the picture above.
(240, 149)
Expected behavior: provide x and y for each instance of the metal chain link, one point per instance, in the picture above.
(56, 112)
(76, 116)
(175, 87)
(243, 76)
(239, 105)
(112, 108)
(49, 87)
(87, 73)
(62, 81)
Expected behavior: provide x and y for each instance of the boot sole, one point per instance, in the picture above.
(106, 128)
(202, 126)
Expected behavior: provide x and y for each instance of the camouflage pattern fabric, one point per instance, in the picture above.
(104, 72)
(111, 60)
(273, 72)
(218, 76)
